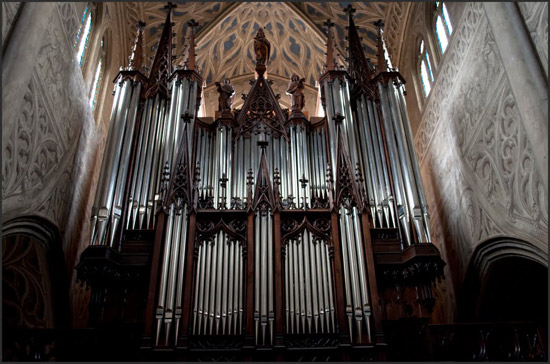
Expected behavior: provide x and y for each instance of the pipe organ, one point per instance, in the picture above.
(267, 229)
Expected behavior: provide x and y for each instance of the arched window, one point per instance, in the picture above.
(98, 77)
(443, 27)
(426, 72)
(81, 42)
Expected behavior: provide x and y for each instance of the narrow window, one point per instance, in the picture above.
(426, 73)
(96, 85)
(83, 35)
(443, 27)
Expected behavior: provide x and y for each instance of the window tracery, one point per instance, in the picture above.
(443, 26)
(426, 72)
(83, 36)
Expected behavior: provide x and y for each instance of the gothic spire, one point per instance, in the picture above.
(263, 193)
(382, 62)
(136, 58)
(331, 51)
(192, 24)
(358, 67)
(161, 69)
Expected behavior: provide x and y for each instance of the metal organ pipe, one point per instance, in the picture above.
(408, 173)
(416, 169)
(118, 203)
(111, 161)
(402, 205)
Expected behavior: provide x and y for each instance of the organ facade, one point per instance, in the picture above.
(260, 233)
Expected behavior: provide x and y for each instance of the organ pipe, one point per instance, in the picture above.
(256, 174)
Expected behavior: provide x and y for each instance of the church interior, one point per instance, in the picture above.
(274, 181)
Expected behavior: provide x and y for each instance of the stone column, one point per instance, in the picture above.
(20, 55)
(526, 77)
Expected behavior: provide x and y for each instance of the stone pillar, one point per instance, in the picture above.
(20, 55)
(525, 75)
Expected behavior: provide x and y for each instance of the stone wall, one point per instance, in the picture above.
(50, 140)
(476, 157)
(536, 21)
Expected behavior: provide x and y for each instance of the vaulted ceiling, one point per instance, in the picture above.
(295, 30)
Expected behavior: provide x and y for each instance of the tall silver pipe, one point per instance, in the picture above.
(388, 191)
(296, 282)
(415, 167)
(213, 285)
(347, 269)
(159, 315)
(403, 213)
(225, 289)
(181, 269)
(207, 276)
(328, 276)
(198, 282)
(118, 200)
(408, 172)
(172, 272)
(219, 287)
(143, 200)
(106, 185)
(240, 295)
(307, 277)
(257, 275)
(288, 311)
(263, 284)
(231, 284)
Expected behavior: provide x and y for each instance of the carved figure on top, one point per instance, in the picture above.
(226, 92)
(262, 48)
(296, 92)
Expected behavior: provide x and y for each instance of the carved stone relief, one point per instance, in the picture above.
(536, 19)
(9, 11)
(476, 160)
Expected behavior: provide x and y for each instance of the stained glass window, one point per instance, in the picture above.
(426, 73)
(83, 35)
(443, 27)
(96, 85)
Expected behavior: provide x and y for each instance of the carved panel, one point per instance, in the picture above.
(39, 147)
(9, 11)
(26, 289)
(395, 28)
(536, 19)
(69, 20)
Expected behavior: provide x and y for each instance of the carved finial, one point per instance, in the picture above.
(330, 46)
(169, 6)
(350, 10)
(136, 58)
(192, 24)
(381, 56)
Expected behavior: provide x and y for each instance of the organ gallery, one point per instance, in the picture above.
(249, 227)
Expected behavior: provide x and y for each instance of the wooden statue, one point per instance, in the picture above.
(262, 48)
(295, 90)
(226, 91)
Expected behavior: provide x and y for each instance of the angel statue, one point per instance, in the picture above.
(295, 90)
(226, 91)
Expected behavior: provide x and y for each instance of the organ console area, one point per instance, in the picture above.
(259, 233)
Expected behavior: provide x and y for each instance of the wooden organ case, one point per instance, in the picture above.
(259, 234)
